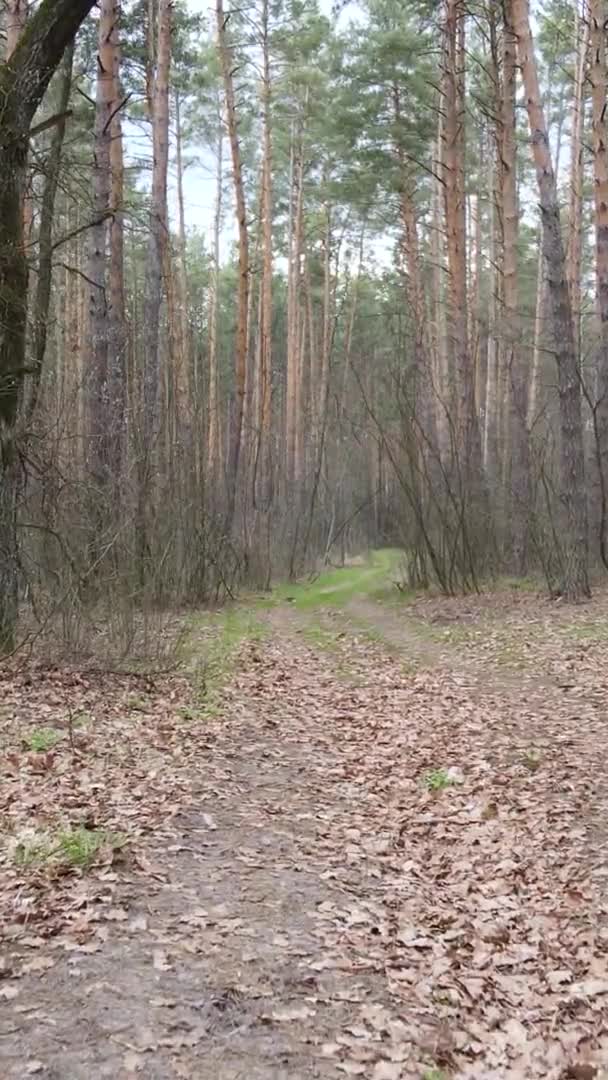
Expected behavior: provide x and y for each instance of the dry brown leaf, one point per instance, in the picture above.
(133, 1062)
(589, 988)
(160, 960)
(387, 1070)
(37, 965)
(296, 1012)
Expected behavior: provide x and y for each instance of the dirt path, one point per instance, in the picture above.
(320, 903)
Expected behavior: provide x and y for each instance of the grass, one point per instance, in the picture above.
(319, 638)
(210, 652)
(532, 759)
(42, 739)
(434, 1074)
(72, 847)
(590, 631)
(138, 702)
(337, 587)
(437, 780)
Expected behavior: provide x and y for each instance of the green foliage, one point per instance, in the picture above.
(437, 780)
(533, 759)
(336, 588)
(138, 702)
(211, 650)
(42, 739)
(77, 847)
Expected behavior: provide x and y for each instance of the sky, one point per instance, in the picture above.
(199, 188)
(199, 182)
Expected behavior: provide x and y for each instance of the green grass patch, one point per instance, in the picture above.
(320, 638)
(533, 759)
(591, 632)
(42, 739)
(437, 780)
(138, 703)
(76, 847)
(372, 578)
(517, 584)
(211, 649)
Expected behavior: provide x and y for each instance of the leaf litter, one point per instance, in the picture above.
(293, 899)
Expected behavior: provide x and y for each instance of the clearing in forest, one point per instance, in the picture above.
(357, 834)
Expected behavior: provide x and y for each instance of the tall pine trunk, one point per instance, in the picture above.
(574, 582)
(241, 344)
(575, 215)
(214, 448)
(153, 290)
(514, 356)
(24, 82)
(598, 16)
(264, 483)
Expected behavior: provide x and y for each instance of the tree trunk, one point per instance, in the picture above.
(214, 455)
(514, 359)
(15, 18)
(184, 358)
(236, 435)
(441, 373)
(575, 215)
(97, 377)
(264, 475)
(424, 412)
(293, 465)
(467, 428)
(42, 298)
(117, 329)
(574, 575)
(598, 17)
(153, 292)
(24, 81)
(539, 329)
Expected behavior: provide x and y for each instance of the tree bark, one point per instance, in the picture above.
(42, 298)
(153, 292)
(15, 18)
(598, 17)
(241, 345)
(514, 360)
(466, 424)
(424, 412)
(117, 328)
(264, 479)
(574, 553)
(23, 80)
(97, 378)
(214, 454)
(575, 215)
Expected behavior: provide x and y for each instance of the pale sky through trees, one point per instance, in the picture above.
(199, 182)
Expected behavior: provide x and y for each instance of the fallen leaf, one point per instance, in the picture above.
(132, 1061)
(161, 963)
(387, 1070)
(298, 1012)
(37, 965)
(589, 988)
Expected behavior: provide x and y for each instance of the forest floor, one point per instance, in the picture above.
(356, 834)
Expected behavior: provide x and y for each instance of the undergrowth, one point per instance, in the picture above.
(210, 653)
(77, 847)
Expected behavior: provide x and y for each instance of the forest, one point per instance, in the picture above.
(303, 539)
(391, 328)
